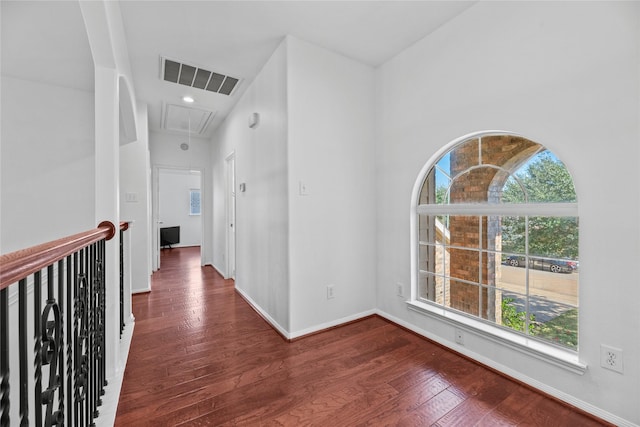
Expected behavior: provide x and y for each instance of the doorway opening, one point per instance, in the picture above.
(178, 210)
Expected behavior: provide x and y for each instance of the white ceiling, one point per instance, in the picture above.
(237, 37)
(229, 37)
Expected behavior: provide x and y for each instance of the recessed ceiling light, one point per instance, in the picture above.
(187, 99)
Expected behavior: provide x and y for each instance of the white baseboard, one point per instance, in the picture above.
(215, 267)
(282, 331)
(580, 404)
(297, 334)
(331, 324)
(110, 400)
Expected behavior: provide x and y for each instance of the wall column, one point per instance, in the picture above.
(107, 200)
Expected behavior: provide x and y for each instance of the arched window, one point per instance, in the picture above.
(496, 238)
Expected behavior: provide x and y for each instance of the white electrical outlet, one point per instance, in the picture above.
(330, 292)
(400, 289)
(459, 336)
(611, 358)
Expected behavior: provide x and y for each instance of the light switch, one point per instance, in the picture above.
(304, 190)
(131, 197)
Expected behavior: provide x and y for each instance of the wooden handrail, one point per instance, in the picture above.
(17, 265)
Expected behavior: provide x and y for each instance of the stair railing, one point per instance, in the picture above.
(63, 322)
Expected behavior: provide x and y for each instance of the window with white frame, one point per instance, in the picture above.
(495, 224)
(194, 201)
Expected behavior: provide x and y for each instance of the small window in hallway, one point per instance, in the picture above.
(496, 237)
(194, 202)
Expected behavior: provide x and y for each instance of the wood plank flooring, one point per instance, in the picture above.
(201, 355)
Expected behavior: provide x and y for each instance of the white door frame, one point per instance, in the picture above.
(157, 221)
(230, 171)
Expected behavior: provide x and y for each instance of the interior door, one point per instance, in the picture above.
(231, 216)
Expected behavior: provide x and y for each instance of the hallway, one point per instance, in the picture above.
(201, 355)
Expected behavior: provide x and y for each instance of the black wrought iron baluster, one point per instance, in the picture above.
(23, 352)
(85, 338)
(5, 403)
(72, 273)
(102, 359)
(121, 282)
(92, 336)
(80, 341)
(62, 273)
(37, 335)
(51, 346)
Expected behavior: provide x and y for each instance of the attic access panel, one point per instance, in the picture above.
(180, 118)
(199, 78)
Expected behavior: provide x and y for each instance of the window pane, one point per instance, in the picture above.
(431, 258)
(491, 300)
(433, 229)
(464, 155)
(512, 231)
(555, 237)
(557, 287)
(465, 297)
(513, 274)
(507, 150)
(474, 186)
(465, 264)
(434, 288)
(514, 312)
(545, 179)
(555, 322)
(465, 231)
(194, 202)
(513, 191)
(492, 268)
(436, 186)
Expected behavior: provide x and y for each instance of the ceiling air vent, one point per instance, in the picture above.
(188, 75)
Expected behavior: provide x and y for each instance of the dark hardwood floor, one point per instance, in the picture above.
(201, 356)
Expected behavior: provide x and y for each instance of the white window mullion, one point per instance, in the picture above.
(532, 209)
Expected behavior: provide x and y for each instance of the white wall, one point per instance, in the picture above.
(262, 255)
(331, 152)
(174, 202)
(166, 153)
(46, 144)
(316, 127)
(564, 75)
(47, 169)
(135, 180)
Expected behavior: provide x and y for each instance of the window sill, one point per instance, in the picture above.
(557, 356)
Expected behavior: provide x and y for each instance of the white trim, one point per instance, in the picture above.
(505, 209)
(111, 398)
(217, 269)
(547, 352)
(333, 323)
(306, 331)
(580, 404)
(230, 233)
(264, 314)
(155, 209)
(557, 356)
